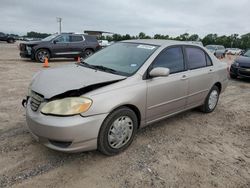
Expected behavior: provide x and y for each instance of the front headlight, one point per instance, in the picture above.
(67, 106)
(28, 48)
(236, 64)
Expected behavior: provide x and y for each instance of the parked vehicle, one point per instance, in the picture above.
(241, 66)
(103, 43)
(196, 42)
(67, 45)
(7, 38)
(101, 102)
(219, 51)
(233, 51)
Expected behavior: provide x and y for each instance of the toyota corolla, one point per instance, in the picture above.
(101, 103)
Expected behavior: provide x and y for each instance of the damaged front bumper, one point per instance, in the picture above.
(67, 134)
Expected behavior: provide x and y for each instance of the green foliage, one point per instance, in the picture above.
(33, 34)
(233, 40)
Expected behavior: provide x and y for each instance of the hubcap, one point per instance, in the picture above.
(42, 55)
(213, 98)
(120, 132)
(88, 53)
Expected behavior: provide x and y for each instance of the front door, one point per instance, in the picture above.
(60, 46)
(167, 95)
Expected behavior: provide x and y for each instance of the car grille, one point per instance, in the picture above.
(36, 100)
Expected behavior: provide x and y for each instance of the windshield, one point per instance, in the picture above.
(210, 47)
(247, 53)
(124, 58)
(221, 47)
(49, 38)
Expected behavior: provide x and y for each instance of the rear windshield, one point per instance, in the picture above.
(247, 53)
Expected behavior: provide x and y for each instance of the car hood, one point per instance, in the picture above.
(52, 82)
(32, 43)
(243, 61)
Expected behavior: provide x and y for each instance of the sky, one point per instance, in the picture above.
(168, 17)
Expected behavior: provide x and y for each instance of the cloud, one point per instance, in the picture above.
(129, 16)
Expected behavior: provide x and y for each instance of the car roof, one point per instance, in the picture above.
(160, 42)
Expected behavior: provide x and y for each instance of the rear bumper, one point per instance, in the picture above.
(67, 134)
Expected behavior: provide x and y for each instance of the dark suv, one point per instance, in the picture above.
(7, 38)
(67, 45)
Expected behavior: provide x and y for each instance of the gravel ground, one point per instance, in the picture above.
(189, 150)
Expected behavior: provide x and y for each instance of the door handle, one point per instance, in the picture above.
(184, 77)
(210, 71)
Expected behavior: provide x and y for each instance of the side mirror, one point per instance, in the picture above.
(55, 41)
(159, 72)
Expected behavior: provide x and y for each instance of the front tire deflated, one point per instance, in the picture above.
(117, 131)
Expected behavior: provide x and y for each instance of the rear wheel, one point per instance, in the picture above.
(211, 100)
(10, 41)
(41, 55)
(117, 131)
(88, 52)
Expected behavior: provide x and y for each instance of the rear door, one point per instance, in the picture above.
(167, 95)
(200, 75)
(77, 44)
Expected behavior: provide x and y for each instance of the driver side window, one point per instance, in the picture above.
(63, 38)
(171, 58)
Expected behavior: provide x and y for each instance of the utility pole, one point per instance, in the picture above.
(59, 20)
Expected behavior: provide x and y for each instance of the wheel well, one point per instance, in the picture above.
(218, 84)
(89, 49)
(43, 49)
(136, 111)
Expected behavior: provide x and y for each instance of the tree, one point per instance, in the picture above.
(194, 37)
(33, 34)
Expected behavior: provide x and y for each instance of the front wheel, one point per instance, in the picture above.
(117, 131)
(233, 76)
(211, 100)
(41, 54)
(10, 40)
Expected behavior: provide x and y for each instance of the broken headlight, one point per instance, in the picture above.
(67, 106)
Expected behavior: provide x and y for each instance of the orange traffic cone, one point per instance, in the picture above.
(78, 59)
(46, 63)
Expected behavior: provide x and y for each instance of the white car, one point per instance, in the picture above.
(233, 51)
(103, 43)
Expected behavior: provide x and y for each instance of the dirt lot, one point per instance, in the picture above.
(189, 150)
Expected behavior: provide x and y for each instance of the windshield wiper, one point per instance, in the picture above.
(102, 68)
(106, 69)
(87, 65)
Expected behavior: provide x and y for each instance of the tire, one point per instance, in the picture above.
(211, 100)
(10, 40)
(233, 76)
(88, 52)
(41, 54)
(116, 135)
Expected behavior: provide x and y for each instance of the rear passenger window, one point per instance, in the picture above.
(75, 38)
(171, 58)
(209, 61)
(196, 58)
